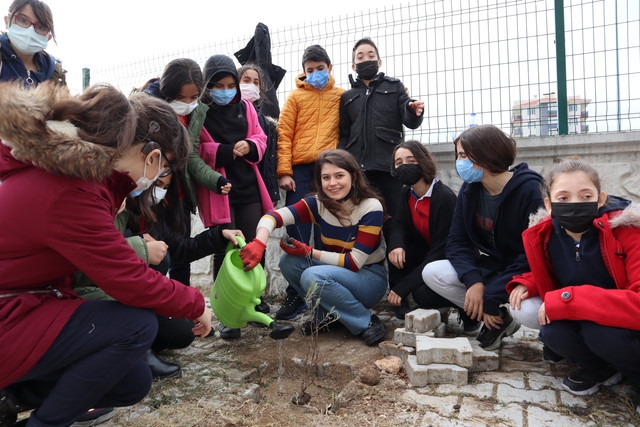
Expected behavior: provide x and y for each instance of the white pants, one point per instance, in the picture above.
(443, 279)
(528, 313)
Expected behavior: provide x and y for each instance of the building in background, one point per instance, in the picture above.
(539, 117)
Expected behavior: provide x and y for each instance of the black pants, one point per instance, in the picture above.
(593, 346)
(95, 362)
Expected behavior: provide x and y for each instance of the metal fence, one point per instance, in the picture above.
(462, 57)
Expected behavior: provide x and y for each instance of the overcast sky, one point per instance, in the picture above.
(93, 33)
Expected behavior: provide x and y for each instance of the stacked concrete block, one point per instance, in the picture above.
(429, 358)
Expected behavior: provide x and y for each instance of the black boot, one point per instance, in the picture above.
(161, 369)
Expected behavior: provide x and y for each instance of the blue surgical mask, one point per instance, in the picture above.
(318, 79)
(467, 172)
(223, 96)
(26, 40)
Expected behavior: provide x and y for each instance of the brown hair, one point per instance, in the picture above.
(569, 165)
(422, 156)
(158, 123)
(102, 114)
(360, 185)
(488, 146)
(262, 85)
(40, 9)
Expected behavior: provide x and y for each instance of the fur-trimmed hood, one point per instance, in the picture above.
(630, 215)
(52, 146)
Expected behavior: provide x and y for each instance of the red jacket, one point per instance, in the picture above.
(55, 219)
(620, 246)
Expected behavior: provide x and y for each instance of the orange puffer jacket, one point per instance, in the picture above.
(308, 125)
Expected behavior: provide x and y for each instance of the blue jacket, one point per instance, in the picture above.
(12, 67)
(471, 258)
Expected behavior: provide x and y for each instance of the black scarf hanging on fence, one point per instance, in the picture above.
(258, 51)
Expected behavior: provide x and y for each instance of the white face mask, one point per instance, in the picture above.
(157, 195)
(143, 182)
(182, 108)
(249, 91)
(26, 40)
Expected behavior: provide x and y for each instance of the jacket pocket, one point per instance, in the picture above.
(392, 136)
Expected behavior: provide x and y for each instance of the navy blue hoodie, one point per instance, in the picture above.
(466, 250)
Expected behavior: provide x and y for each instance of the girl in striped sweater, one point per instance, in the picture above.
(347, 277)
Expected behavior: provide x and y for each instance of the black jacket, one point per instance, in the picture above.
(258, 51)
(372, 119)
(418, 252)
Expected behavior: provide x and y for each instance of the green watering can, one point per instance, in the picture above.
(235, 294)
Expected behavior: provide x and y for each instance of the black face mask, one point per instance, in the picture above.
(574, 217)
(367, 70)
(408, 174)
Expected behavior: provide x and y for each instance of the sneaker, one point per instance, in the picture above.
(490, 339)
(291, 307)
(227, 333)
(263, 307)
(550, 356)
(401, 311)
(375, 332)
(585, 383)
(471, 328)
(8, 410)
(93, 417)
(327, 324)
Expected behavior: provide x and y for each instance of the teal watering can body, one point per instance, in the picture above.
(235, 292)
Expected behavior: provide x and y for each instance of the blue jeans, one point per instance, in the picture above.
(348, 293)
(303, 176)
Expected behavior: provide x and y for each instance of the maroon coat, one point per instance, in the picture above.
(51, 226)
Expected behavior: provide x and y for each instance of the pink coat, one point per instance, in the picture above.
(214, 208)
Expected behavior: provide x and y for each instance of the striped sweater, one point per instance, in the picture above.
(349, 246)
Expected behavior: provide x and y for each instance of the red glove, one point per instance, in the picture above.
(252, 253)
(292, 246)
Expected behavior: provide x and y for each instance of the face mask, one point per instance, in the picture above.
(318, 79)
(574, 217)
(182, 108)
(367, 70)
(467, 172)
(222, 96)
(26, 40)
(408, 174)
(143, 182)
(250, 92)
(157, 195)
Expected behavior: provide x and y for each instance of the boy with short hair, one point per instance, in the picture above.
(372, 115)
(308, 125)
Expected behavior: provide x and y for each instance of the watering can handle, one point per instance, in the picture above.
(241, 242)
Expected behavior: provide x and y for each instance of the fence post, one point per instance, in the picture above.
(86, 78)
(561, 70)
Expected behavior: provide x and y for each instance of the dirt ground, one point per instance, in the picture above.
(252, 381)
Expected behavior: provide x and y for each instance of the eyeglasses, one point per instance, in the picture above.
(168, 168)
(24, 22)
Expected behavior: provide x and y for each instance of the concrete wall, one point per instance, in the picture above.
(616, 156)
